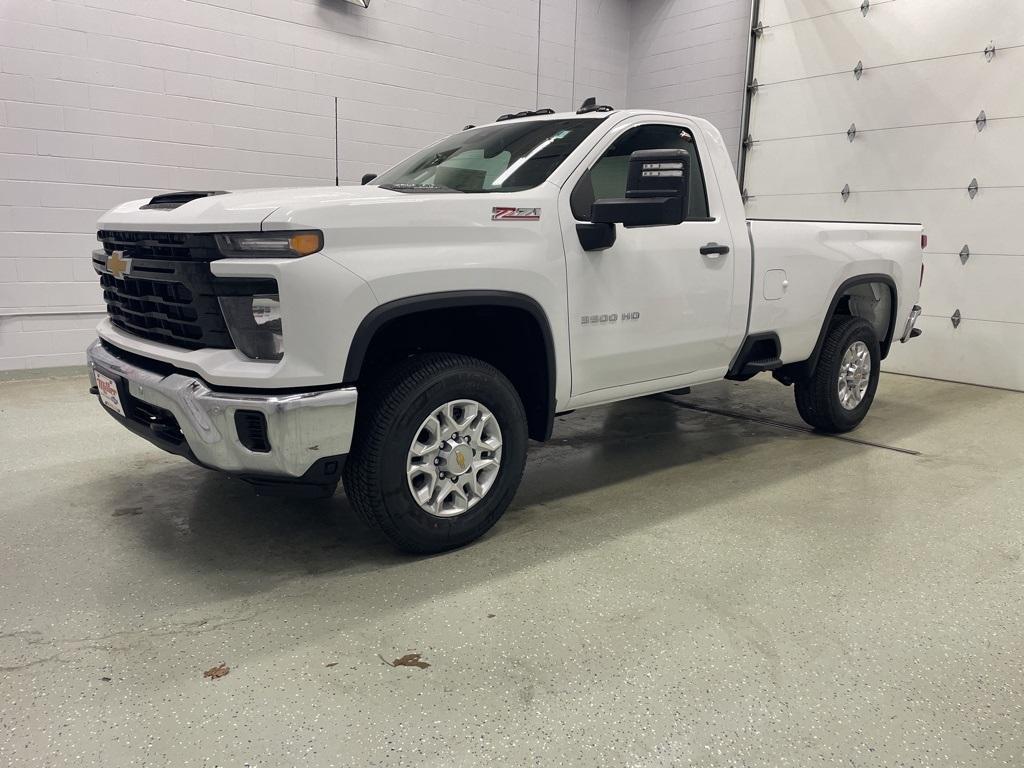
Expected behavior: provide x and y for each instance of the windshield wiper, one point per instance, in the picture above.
(418, 188)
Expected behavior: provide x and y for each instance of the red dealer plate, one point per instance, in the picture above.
(108, 393)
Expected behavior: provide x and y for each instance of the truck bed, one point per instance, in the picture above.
(800, 265)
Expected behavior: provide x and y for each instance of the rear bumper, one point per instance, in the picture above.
(308, 432)
(909, 331)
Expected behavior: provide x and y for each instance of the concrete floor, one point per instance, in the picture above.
(671, 587)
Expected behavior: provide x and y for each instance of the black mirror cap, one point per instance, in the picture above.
(596, 237)
(657, 191)
(658, 173)
(368, 177)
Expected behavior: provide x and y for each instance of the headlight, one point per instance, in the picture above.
(254, 323)
(283, 244)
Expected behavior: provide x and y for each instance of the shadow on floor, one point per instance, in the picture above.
(579, 490)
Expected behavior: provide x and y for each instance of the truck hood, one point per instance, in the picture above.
(240, 210)
(375, 215)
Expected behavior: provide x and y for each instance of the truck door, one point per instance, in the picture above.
(652, 306)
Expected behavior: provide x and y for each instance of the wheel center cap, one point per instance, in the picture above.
(459, 459)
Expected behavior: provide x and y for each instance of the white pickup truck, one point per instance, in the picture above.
(409, 335)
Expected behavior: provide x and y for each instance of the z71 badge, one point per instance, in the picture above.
(515, 214)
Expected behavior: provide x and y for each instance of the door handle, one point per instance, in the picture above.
(714, 250)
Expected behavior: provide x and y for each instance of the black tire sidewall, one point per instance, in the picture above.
(461, 382)
(847, 335)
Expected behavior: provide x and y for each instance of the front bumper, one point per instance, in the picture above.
(308, 432)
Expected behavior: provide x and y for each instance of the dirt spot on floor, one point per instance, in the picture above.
(217, 672)
(409, 660)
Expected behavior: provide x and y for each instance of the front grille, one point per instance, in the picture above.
(169, 293)
(175, 304)
(175, 246)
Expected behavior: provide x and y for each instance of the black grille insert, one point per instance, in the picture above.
(163, 288)
(182, 310)
(178, 246)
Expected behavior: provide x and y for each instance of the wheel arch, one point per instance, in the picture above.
(537, 391)
(793, 371)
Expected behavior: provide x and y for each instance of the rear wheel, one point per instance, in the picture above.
(438, 453)
(838, 395)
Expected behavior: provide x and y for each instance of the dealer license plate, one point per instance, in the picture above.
(108, 393)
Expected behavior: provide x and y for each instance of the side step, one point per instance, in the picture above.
(753, 367)
(760, 352)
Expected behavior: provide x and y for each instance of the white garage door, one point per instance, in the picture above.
(884, 99)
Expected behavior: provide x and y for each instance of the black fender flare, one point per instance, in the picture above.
(383, 314)
(811, 363)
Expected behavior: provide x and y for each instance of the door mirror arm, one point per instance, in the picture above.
(596, 237)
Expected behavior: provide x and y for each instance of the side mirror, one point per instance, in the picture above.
(657, 191)
(368, 177)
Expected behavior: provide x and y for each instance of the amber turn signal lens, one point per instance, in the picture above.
(305, 243)
(273, 244)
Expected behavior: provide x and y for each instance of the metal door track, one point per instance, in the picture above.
(784, 425)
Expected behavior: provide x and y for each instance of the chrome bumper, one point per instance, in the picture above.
(303, 429)
(908, 330)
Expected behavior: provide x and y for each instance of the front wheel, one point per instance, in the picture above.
(438, 452)
(837, 396)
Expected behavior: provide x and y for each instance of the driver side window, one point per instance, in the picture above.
(607, 177)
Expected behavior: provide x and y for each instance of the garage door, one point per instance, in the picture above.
(906, 110)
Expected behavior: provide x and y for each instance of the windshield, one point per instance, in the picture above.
(498, 158)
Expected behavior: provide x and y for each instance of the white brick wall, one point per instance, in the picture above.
(103, 101)
(690, 56)
(598, 63)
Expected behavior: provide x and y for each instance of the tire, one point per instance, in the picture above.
(391, 422)
(818, 396)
